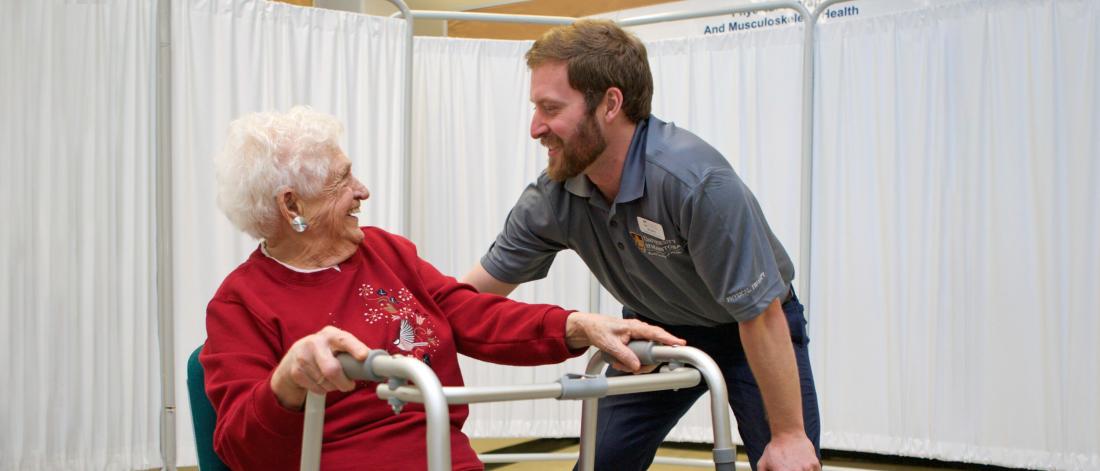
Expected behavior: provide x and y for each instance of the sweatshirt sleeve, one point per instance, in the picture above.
(497, 329)
(253, 430)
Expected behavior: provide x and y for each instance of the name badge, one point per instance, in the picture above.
(651, 228)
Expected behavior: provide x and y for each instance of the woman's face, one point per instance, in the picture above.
(333, 213)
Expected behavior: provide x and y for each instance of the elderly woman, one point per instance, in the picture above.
(319, 284)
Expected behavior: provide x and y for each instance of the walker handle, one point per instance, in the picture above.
(643, 349)
(361, 370)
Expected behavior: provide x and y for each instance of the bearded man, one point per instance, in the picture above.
(668, 228)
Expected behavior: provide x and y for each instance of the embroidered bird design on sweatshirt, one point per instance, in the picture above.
(406, 337)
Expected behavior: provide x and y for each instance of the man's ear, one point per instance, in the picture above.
(613, 103)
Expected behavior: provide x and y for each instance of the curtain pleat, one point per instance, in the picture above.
(77, 288)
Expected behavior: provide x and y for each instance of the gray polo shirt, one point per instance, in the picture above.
(684, 243)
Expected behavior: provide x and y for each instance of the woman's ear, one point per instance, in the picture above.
(289, 204)
(292, 209)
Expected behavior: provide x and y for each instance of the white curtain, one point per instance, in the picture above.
(232, 57)
(80, 387)
(955, 208)
(956, 220)
(473, 156)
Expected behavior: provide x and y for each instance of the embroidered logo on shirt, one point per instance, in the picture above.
(744, 291)
(414, 333)
(383, 304)
(656, 247)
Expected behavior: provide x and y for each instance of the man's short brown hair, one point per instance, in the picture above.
(599, 55)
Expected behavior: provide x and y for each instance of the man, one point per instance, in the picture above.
(670, 230)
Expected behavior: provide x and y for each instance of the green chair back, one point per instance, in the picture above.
(203, 417)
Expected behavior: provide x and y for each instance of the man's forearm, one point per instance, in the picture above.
(767, 343)
(482, 281)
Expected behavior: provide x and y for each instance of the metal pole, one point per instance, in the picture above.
(589, 410)
(491, 17)
(687, 15)
(406, 173)
(594, 304)
(675, 379)
(313, 429)
(805, 224)
(163, 178)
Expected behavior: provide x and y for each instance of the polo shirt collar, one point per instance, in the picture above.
(632, 183)
(579, 185)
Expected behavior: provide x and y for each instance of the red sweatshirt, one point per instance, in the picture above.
(390, 299)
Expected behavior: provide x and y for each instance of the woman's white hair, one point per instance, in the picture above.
(266, 153)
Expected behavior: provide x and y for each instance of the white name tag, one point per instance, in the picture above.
(651, 228)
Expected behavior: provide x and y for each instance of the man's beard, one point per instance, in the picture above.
(578, 153)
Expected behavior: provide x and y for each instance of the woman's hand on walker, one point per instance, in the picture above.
(611, 335)
(311, 365)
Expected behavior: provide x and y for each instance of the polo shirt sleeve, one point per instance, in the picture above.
(530, 240)
(729, 245)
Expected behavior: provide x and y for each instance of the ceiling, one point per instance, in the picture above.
(461, 5)
(470, 29)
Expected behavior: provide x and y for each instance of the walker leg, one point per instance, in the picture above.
(312, 430)
(589, 409)
(725, 459)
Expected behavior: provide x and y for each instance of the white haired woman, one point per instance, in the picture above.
(319, 284)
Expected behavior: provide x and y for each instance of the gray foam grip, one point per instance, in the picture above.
(643, 349)
(357, 370)
(574, 386)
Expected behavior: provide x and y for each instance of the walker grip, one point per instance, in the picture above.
(643, 349)
(360, 370)
(575, 386)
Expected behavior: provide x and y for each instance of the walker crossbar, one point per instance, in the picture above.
(427, 389)
(674, 379)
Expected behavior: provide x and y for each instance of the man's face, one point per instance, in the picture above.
(572, 137)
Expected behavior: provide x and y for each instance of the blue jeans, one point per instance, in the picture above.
(630, 427)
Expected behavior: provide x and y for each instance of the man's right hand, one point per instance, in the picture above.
(792, 452)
